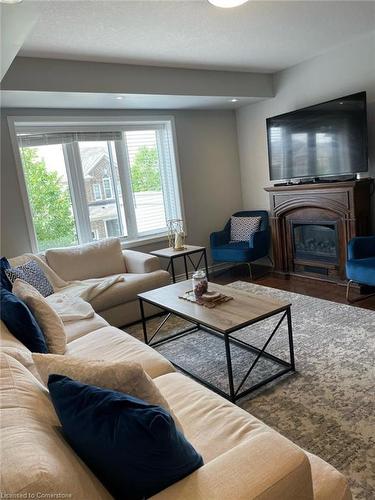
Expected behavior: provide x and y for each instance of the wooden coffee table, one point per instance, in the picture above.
(223, 321)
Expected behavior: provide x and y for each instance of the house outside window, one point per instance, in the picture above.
(107, 181)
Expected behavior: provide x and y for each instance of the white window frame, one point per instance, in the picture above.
(94, 124)
(99, 187)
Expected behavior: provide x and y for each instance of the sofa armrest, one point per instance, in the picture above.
(266, 467)
(140, 263)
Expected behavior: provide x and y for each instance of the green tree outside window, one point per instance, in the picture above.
(145, 170)
(50, 203)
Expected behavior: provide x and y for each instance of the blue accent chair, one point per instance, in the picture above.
(242, 251)
(360, 264)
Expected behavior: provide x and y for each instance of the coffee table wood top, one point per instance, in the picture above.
(243, 310)
(170, 252)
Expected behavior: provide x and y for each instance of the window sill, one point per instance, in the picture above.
(146, 240)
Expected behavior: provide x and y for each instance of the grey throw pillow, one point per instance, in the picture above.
(242, 228)
(32, 274)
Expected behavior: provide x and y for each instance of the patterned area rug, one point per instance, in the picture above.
(328, 407)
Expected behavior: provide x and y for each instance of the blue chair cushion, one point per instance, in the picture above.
(361, 271)
(5, 283)
(133, 447)
(21, 323)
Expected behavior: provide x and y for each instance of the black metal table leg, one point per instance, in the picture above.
(143, 318)
(205, 262)
(229, 368)
(290, 335)
(186, 268)
(173, 273)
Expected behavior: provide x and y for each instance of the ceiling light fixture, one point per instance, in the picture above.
(234, 100)
(227, 4)
(11, 1)
(119, 97)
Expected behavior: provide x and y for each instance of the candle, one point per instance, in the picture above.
(179, 240)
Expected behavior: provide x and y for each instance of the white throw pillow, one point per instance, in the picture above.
(46, 317)
(121, 376)
(242, 228)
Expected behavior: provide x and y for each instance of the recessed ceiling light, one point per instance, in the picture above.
(11, 1)
(119, 97)
(227, 4)
(234, 100)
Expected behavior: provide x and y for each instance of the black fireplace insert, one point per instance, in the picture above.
(315, 240)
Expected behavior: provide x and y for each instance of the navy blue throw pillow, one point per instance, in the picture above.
(21, 323)
(132, 447)
(5, 283)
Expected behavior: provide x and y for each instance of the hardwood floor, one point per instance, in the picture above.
(305, 286)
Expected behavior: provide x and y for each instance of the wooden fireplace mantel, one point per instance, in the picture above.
(344, 205)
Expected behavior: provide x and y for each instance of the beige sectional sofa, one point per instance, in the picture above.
(105, 260)
(243, 458)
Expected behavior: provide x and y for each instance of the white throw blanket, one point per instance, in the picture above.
(70, 308)
(70, 296)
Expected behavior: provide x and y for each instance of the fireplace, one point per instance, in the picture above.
(313, 223)
(315, 241)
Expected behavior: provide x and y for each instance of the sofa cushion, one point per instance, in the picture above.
(133, 447)
(225, 425)
(21, 322)
(122, 376)
(47, 318)
(36, 460)
(110, 343)
(76, 329)
(94, 260)
(127, 290)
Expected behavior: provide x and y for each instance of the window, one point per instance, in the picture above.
(112, 227)
(97, 192)
(107, 187)
(107, 180)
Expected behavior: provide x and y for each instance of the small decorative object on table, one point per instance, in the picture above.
(208, 299)
(176, 234)
(200, 283)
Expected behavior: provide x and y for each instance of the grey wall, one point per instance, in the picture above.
(209, 163)
(59, 75)
(345, 70)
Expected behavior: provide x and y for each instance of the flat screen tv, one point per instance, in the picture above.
(328, 139)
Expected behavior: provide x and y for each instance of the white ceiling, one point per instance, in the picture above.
(262, 36)
(80, 100)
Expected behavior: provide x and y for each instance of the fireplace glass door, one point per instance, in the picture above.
(315, 241)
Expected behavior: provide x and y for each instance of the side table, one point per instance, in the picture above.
(171, 255)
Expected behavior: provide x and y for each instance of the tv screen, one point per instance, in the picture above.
(321, 140)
